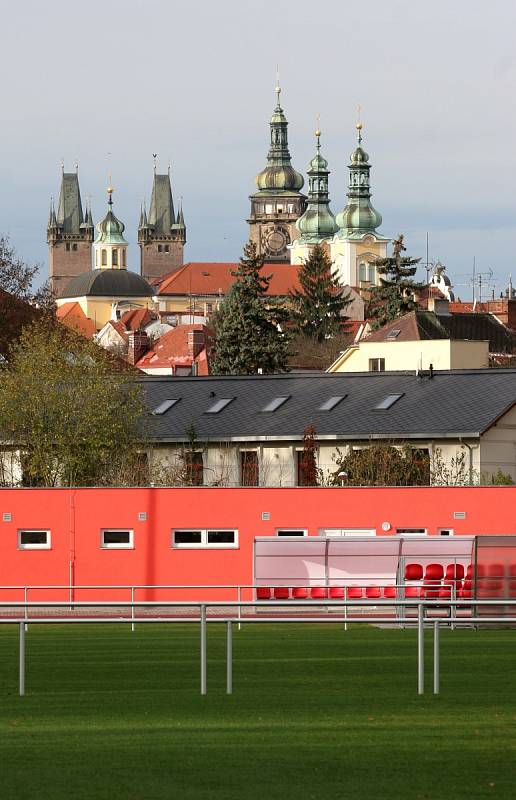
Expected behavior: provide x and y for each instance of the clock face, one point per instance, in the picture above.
(275, 241)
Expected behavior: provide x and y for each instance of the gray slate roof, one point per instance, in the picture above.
(452, 403)
(108, 283)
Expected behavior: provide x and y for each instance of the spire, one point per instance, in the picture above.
(317, 222)
(52, 221)
(161, 212)
(358, 217)
(279, 174)
(110, 229)
(69, 212)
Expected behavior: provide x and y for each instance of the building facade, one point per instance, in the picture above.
(161, 233)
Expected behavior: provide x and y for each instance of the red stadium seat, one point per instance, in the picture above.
(413, 572)
(319, 592)
(263, 593)
(431, 589)
(373, 592)
(414, 591)
(512, 570)
(454, 572)
(281, 593)
(469, 572)
(299, 593)
(434, 572)
(390, 592)
(496, 570)
(355, 592)
(337, 593)
(512, 588)
(445, 593)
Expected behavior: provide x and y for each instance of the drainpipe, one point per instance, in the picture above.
(470, 450)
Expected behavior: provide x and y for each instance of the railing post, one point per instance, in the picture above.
(132, 609)
(26, 600)
(22, 659)
(436, 657)
(239, 598)
(346, 608)
(229, 658)
(203, 649)
(420, 649)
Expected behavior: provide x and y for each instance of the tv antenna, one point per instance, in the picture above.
(479, 282)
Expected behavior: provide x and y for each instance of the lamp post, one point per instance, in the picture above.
(343, 478)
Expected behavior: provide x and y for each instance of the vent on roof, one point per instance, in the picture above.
(273, 405)
(331, 402)
(219, 405)
(387, 402)
(393, 334)
(459, 515)
(165, 405)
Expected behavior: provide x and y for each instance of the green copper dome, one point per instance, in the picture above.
(279, 174)
(317, 222)
(110, 229)
(359, 216)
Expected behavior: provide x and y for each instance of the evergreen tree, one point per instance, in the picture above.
(318, 307)
(395, 295)
(248, 338)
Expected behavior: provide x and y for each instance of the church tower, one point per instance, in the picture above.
(317, 224)
(161, 235)
(69, 234)
(278, 203)
(357, 244)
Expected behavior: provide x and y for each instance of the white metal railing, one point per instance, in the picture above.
(203, 618)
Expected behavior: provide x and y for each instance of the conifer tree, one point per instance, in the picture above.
(248, 335)
(318, 307)
(395, 295)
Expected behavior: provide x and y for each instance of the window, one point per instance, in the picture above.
(387, 402)
(67, 247)
(331, 402)
(412, 531)
(306, 468)
(74, 247)
(183, 372)
(166, 248)
(287, 532)
(249, 468)
(371, 273)
(97, 258)
(445, 531)
(194, 467)
(205, 538)
(362, 272)
(104, 258)
(165, 405)
(377, 365)
(34, 540)
(123, 257)
(115, 257)
(269, 208)
(160, 248)
(116, 539)
(219, 405)
(273, 405)
(393, 334)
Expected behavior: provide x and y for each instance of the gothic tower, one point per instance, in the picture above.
(161, 235)
(278, 203)
(69, 234)
(317, 224)
(357, 244)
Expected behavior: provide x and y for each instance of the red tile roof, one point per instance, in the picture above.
(137, 318)
(215, 278)
(119, 326)
(72, 315)
(172, 350)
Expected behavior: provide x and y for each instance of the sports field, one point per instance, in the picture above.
(316, 712)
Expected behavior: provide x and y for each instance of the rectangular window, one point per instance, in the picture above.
(287, 532)
(412, 531)
(104, 258)
(67, 247)
(166, 248)
(116, 539)
(377, 365)
(393, 334)
(219, 405)
(445, 531)
(115, 257)
(34, 540)
(269, 208)
(160, 248)
(331, 402)
(387, 402)
(273, 405)
(306, 468)
(207, 538)
(249, 469)
(165, 405)
(194, 468)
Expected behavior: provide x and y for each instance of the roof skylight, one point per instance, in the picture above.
(387, 402)
(165, 405)
(393, 334)
(331, 402)
(273, 405)
(219, 405)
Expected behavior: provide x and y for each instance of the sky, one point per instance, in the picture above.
(110, 83)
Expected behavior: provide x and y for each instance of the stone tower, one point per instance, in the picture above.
(278, 203)
(161, 235)
(357, 244)
(317, 224)
(69, 234)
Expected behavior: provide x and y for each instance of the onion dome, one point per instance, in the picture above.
(110, 229)
(317, 222)
(359, 216)
(279, 174)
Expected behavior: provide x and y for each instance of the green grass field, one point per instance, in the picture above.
(316, 712)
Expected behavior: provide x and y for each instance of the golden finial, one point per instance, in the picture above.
(110, 187)
(359, 125)
(317, 125)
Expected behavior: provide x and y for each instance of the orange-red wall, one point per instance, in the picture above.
(75, 517)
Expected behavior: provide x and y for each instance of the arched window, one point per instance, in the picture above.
(104, 258)
(115, 258)
(371, 273)
(97, 258)
(362, 272)
(123, 258)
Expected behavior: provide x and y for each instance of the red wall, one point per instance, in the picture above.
(75, 517)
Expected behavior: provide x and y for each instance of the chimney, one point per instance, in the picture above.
(196, 343)
(138, 345)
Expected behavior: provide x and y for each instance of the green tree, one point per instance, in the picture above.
(319, 305)
(382, 465)
(16, 277)
(247, 326)
(74, 420)
(395, 294)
